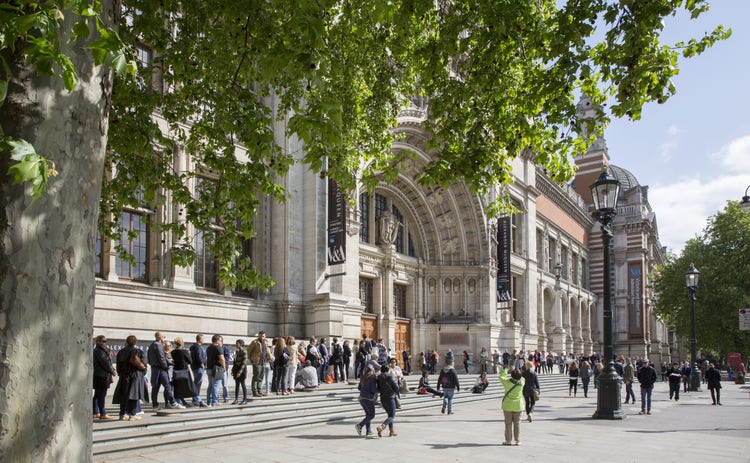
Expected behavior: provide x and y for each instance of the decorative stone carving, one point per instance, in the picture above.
(388, 227)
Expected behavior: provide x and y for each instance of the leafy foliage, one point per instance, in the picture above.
(722, 254)
(217, 77)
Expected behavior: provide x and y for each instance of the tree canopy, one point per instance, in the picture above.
(722, 255)
(501, 77)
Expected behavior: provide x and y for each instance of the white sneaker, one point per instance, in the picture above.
(179, 406)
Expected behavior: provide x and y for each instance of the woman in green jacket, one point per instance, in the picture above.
(512, 404)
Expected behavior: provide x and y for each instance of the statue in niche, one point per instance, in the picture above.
(432, 285)
(472, 286)
(388, 226)
(447, 286)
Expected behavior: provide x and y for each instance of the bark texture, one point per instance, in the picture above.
(47, 254)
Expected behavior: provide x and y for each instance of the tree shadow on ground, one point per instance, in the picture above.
(461, 445)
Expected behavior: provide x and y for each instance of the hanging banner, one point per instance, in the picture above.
(503, 260)
(635, 300)
(336, 224)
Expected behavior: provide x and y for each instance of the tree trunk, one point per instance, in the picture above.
(47, 263)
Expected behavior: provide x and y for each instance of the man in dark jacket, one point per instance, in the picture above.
(675, 377)
(157, 358)
(198, 365)
(647, 378)
(448, 381)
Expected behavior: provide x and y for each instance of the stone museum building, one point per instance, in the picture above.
(421, 267)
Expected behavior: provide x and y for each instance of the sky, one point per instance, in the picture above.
(693, 152)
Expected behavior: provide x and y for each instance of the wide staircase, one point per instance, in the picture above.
(329, 402)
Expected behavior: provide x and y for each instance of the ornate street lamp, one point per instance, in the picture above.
(605, 191)
(691, 281)
(745, 204)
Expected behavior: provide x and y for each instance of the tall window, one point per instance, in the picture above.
(98, 262)
(400, 233)
(516, 231)
(365, 295)
(364, 217)
(399, 300)
(564, 259)
(205, 262)
(134, 240)
(380, 205)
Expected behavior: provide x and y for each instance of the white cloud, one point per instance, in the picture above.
(735, 155)
(684, 207)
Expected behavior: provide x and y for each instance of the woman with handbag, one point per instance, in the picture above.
(512, 404)
(530, 388)
(131, 388)
(280, 361)
(183, 386)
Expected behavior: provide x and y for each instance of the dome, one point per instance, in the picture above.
(625, 177)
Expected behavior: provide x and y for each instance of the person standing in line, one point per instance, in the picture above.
(198, 365)
(183, 386)
(359, 359)
(346, 360)
(387, 389)
(647, 378)
(674, 376)
(512, 404)
(258, 355)
(325, 357)
(228, 358)
(573, 378)
(448, 382)
(368, 392)
(627, 378)
(530, 386)
(495, 361)
(280, 362)
(157, 358)
(713, 380)
(215, 358)
(337, 361)
(686, 372)
(104, 374)
(239, 372)
(291, 365)
(131, 388)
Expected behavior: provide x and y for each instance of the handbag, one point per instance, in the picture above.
(536, 395)
(135, 361)
(422, 390)
(180, 375)
(219, 371)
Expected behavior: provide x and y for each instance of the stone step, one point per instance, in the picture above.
(330, 402)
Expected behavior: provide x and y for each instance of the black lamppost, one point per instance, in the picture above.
(608, 400)
(691, 280)
(745, 204)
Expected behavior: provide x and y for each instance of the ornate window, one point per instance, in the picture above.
(134, 240)
(399, 300)
(365, 295)
(364, 217)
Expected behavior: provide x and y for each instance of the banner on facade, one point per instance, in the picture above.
(635, 299)
(336, 224)
(503, 260)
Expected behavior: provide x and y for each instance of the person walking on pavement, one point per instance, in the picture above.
(512, 404)
(258, 354)
(674, 376)
(368, 392)
(448, 381)
(531, 386)
(713, 379)
(647, 378)
(387, 389)
(627, 378)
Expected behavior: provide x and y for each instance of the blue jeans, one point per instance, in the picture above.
(389, 405)
(585, 382)
(198, 381)
(629, 394)
(100, 396)
(160, 378)
(214, 383)
(646, 398)
(369, 407)
(448, 398)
